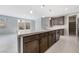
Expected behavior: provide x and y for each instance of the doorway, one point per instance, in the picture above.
(72, 25)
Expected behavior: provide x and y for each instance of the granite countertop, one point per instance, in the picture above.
(29, 32)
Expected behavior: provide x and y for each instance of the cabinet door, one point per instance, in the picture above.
(52, 38)
(59, 20)
(31, 44)
(43, 42)
(31, 47)
(57, 35)
(61, 31)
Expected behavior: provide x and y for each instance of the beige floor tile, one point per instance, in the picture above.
(66, 44)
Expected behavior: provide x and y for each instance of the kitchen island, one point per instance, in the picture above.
(38, 41)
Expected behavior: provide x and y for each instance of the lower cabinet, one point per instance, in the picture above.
(31, 47)
(57, 35)
(61, 31)
(39, 43)
(31, 44)
(52, 38)
(43, 42)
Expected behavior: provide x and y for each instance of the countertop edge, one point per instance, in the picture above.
(37, 32)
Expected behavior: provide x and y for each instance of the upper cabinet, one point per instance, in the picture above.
(47, 22)
(57, 21)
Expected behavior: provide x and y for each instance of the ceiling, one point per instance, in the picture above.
(36, 11)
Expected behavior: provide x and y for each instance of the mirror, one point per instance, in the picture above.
(23, 25)
(27, 25)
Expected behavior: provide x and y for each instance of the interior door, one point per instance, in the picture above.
(72, 25)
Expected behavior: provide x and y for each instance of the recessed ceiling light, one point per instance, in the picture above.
(66, 9)
(43, 16)
(31, 11)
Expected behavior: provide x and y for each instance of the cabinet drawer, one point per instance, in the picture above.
(44, 34)
(30, 38)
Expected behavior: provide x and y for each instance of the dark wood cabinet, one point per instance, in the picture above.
(61, 31)
(39, 43)
(57, 35)
(31, 44)
(57, 21)
(31, 47)
(52, 38)
(43, 42)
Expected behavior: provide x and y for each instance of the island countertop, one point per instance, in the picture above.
(38, 41)
(29, 32)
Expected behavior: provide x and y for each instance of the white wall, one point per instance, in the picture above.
(38, 24)
(8, 35)
(66, 25)
(11, 25)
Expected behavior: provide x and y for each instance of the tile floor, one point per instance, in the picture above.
(66, 44)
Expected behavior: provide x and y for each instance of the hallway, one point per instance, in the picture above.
(66, 44)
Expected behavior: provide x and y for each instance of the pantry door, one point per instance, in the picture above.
(72, 25)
